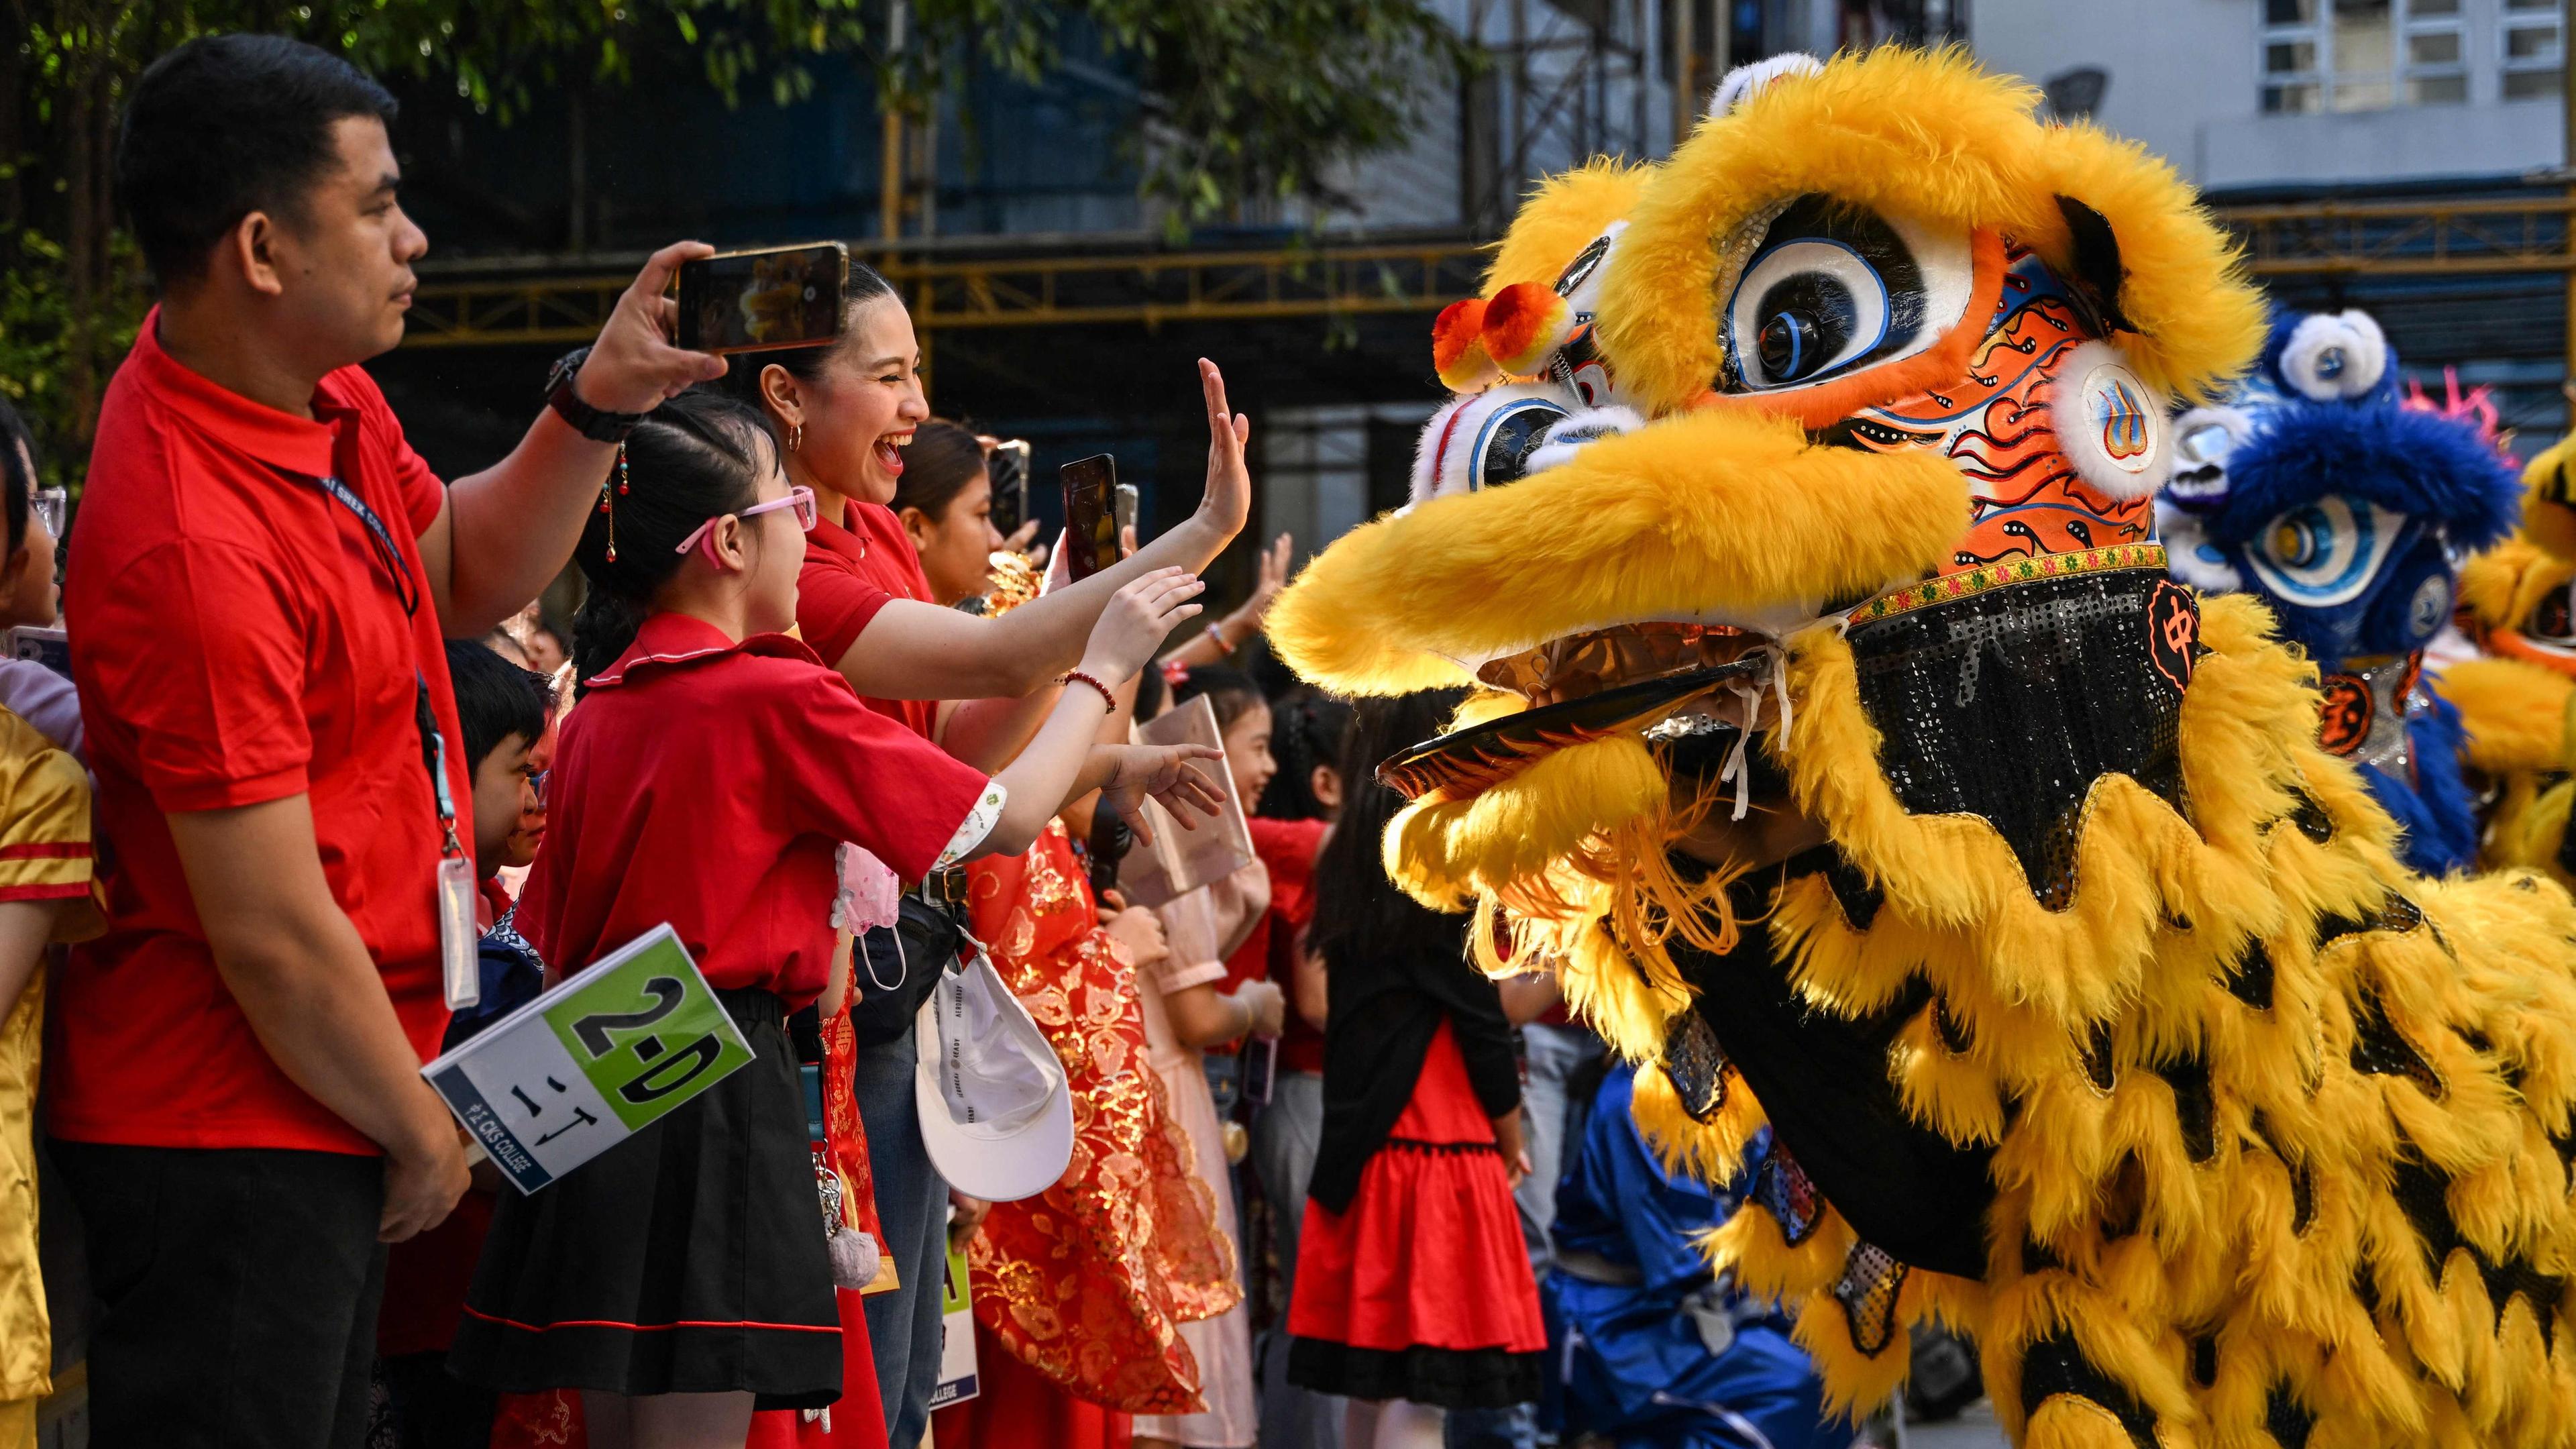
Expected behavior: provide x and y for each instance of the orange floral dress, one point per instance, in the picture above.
(1086, 1281)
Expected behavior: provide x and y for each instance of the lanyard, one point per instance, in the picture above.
(433, 742)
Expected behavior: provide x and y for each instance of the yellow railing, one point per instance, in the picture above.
(2394, 238)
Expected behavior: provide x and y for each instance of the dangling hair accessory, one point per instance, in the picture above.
(606, 507)
(1175, 674)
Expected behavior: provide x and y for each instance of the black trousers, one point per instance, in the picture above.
(237, 1294)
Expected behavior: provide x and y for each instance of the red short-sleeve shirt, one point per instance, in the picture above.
(851, 573)
(238, 637)
(707, 784)
(1288, 848)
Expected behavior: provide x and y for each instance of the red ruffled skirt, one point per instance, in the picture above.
(1422, 1289)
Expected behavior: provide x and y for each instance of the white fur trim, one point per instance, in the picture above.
(2112, 424)
(2189, 556)
(1452, 458)
(2355, 335)
(1744, 81)
(1572, 436)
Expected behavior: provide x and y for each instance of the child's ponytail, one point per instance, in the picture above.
(696, 457)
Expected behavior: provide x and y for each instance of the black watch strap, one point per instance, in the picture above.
(596, 424)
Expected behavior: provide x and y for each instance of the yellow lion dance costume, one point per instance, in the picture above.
(2088, 1007)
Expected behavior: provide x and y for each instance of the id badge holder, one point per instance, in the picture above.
(459, 956)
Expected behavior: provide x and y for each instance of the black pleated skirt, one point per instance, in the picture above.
(687, 1259)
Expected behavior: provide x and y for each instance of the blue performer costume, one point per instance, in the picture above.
(1657, 1354)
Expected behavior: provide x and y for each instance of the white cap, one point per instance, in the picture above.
(996, 1111)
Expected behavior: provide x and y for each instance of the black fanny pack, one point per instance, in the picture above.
(894, 967)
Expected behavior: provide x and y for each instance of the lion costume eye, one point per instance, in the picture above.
(1833, 287)
(2325, 553)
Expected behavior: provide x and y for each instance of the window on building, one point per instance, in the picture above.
(2363, 55)
(2534, 38)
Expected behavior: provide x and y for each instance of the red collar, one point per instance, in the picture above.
(282, 440)
(834, 535)
(670, 640)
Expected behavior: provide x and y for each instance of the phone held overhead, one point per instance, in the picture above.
(758, 301)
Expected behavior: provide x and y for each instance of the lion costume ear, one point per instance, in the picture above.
(2159, 271)
(2095, 267)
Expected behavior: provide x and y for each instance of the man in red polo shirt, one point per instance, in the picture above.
(258, 588)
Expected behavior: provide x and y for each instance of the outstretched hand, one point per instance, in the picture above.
(637, 365)
(1228, 500)
(1137, 620)
(1165, 773)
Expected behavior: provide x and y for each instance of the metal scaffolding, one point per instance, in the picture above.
(2488, 236)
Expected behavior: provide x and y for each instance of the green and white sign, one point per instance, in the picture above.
(591, 1062)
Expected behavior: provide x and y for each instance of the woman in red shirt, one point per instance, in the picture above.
(680, 1278)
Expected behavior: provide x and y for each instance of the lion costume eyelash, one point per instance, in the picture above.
(2104, 1024)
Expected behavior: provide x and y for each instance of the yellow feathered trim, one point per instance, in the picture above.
(1561, 217)
(2549, 498)
(1685, 516)
(2500, 586)
(2516, 714)
(1711, 1151)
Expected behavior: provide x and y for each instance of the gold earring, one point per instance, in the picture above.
(795, 436)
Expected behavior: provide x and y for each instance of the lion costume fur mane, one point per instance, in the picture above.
(2269, 1137)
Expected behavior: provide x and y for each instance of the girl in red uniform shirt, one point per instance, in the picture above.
(680, 1279)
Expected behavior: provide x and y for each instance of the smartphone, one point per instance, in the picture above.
(1008, 467)
(758, 300)
(1090, 514)
(51, 648)
(1124, 507)
(1260, 1068)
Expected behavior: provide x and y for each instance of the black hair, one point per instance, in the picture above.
(20, 481)
(1230, 692)
(495, 699)
(226, 125)
(1307, 731)
(938, 463)
(805, 364)
(1359, 913)
(696, 457)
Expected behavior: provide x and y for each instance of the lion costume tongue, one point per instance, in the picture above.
(2104, 1024)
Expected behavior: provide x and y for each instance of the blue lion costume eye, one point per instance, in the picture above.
(2318, 491)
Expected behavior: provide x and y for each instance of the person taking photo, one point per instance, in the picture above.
(259, 586)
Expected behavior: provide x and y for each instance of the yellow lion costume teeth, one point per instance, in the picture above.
(1843, 745)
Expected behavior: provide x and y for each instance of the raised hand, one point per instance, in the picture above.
(1165, 773)
(1228, 500)
(635, 365)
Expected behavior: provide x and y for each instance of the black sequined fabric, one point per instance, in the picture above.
(1824, 1083)
(1870, 1282)
(2380, 1049)
(1950, 1029)
(2195, 1111)
(2311, 818)
(1784, 1192)
(2204, 1360)
(2062, 669)
(2098, 1066)
(2250, 979)
(2423, 1195)
(2394, 913)
(2286, 1420)
(1696, 1066)
(2054, 1366)
(1853, 891)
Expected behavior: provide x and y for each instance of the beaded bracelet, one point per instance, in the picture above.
(1106, 696)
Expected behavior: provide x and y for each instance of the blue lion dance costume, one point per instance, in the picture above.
(2319, 492)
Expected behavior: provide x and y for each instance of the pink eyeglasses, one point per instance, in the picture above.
(800, 499)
